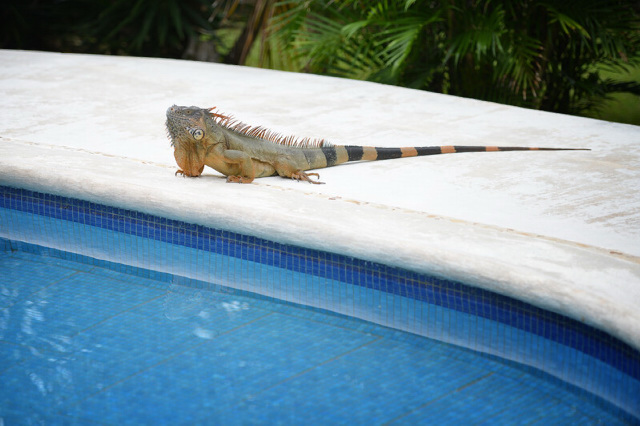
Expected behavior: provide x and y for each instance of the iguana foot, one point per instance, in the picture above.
(300, 175)
(184, 174)
(238, 179)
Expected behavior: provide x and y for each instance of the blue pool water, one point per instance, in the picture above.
(139, 326)
(82, 343)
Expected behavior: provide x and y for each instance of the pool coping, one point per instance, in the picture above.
(592, 283)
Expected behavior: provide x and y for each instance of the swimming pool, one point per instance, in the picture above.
(117, 316)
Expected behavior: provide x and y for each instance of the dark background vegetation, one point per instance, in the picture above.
(569, 56)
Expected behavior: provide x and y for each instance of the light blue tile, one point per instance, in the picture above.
(16, 284)
(498, 399)
(134, 341)
(207, 381)
(130, 278)
(37, 387)
(114, 350)
(48, 318)
(371, 385)
(11, 354)
(39, 417)
(53, 257)
(488, 395)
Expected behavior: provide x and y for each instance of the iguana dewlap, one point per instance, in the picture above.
(201, 137)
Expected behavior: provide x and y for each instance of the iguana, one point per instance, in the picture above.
(242, 152)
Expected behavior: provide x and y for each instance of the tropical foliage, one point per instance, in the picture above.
(166, 28)
(543, 54)
(538, 54)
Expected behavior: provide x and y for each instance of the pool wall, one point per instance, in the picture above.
(203, 257)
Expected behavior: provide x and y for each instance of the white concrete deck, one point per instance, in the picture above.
(557, 229)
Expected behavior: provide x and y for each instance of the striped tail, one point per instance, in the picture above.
(366, 153)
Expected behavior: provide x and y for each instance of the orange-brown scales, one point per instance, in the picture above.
(202, 137)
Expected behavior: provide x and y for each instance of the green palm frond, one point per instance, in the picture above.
(538, 54)
(397, 41)
(478, 34)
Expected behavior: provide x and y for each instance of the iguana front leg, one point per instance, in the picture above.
(191, 162)
(240, 168)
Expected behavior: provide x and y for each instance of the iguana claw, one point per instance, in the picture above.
(306, 177)
(238, 179)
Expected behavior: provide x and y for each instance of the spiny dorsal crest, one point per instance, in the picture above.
(231, 123)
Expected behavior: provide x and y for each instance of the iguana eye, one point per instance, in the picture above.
(197, 134)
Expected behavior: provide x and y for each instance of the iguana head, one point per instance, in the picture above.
(186, 128)
(186, 124)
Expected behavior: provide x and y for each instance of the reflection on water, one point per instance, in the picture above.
(57, 352)
(186, 303)
(181, 303)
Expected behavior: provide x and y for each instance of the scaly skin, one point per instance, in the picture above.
(201, 137)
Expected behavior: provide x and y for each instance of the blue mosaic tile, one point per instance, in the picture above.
(520, 399)
(15, 285)
(374, 383)
(11, 354)
(67, 307)
(38, 387)
(120, 347)
(232, 366)
(133, 276)
(38, 417)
